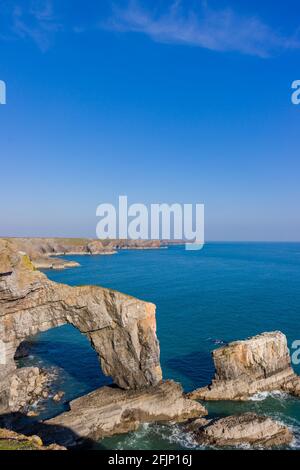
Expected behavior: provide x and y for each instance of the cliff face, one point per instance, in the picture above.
(121, 329)
(256, 358)
(243, 368)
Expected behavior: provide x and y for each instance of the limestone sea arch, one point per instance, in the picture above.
(121, 328)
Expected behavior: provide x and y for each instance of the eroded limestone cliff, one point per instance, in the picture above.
(121, 329)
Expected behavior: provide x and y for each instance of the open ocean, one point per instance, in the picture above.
(225, 292)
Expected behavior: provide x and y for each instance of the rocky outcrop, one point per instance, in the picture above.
(109, 411)
(244, 368)
(53, 263)
(291, 385)
(39, 248)
(245, 429)
(26, 387)
(121, 329)
(10, 440)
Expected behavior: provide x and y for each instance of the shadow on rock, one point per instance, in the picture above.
(50, 434)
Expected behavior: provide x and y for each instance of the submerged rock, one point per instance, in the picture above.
(109, 411)
(58, 396)
(245, 429)
(243, 368)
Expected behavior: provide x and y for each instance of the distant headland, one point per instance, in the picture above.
(43, 252)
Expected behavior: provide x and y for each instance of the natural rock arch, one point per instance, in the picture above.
(122, 329)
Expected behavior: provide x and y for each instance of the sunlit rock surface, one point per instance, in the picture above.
(243, 368)
(245, 429)
(109, 411)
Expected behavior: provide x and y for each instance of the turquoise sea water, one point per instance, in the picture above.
(226, 291)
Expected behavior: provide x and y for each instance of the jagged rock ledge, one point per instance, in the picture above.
(243, 368)
(240, 430)
(109, 411)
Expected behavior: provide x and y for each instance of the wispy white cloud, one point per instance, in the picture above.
(218, 30)
(178, 22)
(30, 19)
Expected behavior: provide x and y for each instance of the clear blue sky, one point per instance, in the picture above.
(164, 101)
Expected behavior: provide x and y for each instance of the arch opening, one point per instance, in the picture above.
(70, 362)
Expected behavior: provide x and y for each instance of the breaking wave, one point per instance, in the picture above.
(278, 394)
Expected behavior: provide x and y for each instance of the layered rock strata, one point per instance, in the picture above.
(109, 411)
(245, 429)
(244, 368)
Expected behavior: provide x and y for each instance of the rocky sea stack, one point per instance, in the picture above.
(243, 368)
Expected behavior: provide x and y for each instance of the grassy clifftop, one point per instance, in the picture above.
(10, 440)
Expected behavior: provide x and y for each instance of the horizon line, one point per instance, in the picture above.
(178, 242)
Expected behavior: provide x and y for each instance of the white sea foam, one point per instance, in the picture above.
(177, 436)
(293, 424)
(149, 433)
(278, 394)
(295, 444)
(132, 440)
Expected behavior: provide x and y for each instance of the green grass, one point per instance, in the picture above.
(11, 444)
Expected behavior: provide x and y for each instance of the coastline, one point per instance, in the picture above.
(43, 251)
(80, 303)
